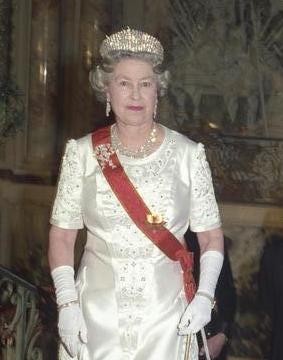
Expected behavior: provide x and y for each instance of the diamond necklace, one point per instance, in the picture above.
(143, 151)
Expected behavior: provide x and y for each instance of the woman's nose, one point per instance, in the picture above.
(135, 92)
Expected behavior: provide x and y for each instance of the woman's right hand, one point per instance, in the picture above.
(71, 325)
(72, 328)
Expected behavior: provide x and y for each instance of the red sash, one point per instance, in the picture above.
(137, 209)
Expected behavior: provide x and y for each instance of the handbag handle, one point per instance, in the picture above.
(188, 345)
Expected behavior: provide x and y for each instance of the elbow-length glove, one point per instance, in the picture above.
(198, 312)
(71, 325)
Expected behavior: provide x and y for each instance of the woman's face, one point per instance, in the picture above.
(133, 91)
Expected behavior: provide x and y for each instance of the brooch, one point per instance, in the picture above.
(155, 219)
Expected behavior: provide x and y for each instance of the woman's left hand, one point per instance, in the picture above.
(196, 316)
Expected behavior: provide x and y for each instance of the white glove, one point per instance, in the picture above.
(72, 328)
(196, 315)
(71, 325)
(198, 312)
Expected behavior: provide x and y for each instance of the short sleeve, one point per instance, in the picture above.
(67, 211)
(204, 213)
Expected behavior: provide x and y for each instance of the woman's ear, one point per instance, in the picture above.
(106, 91)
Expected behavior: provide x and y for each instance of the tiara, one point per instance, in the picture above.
(131, 40)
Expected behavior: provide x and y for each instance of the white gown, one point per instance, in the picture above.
(131, 294)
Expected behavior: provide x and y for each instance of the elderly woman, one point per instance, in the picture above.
(136, 186)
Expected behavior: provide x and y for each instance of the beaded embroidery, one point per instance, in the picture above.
(205, 209)
(67, 205)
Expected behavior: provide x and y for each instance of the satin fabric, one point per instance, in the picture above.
(131, 294)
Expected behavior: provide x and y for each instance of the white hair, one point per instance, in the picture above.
(100, 76)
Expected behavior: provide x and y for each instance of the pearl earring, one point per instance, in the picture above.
(155, 109)
(108, 106)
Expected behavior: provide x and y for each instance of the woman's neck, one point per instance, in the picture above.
(137, 142)
(134, 136)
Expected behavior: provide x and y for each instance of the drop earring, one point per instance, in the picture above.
(108, 106)
(155, 109)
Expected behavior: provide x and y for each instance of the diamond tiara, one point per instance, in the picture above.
(133, 41)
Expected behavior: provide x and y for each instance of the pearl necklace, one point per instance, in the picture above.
(143, 151)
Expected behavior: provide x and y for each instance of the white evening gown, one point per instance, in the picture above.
(131, 294)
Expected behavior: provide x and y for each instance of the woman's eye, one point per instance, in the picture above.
(123, 83)
(146, 83)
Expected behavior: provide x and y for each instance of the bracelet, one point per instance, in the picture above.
(70, 303)
(210, 298)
